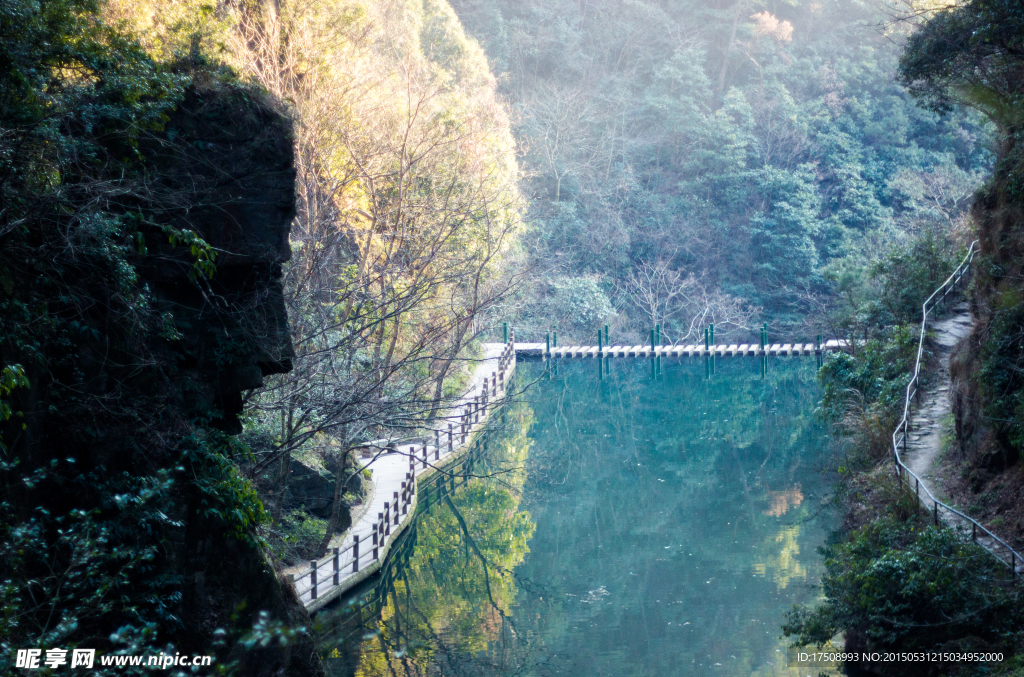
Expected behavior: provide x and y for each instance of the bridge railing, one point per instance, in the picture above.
(990, 541)
(325, 574)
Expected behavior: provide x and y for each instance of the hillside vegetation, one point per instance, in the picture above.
(895, 580)
(282, 219)
(727, 162)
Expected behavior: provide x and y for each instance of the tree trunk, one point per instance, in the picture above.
(283, 468)
(339, 491)
(720, 88)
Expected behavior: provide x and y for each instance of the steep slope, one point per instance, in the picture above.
(145, 221)
(971, 54)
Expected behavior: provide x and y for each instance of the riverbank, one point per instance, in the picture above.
(905, 576)
(396, 469)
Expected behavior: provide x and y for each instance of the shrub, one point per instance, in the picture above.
(893, 585)
(879, 372)
(579, 301)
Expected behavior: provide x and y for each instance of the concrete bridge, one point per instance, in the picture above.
(691, 350)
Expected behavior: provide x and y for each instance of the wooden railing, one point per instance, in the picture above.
(358, 554)
(990, 541)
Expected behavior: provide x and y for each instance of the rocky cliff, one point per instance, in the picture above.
(988, 367)
(137, 326)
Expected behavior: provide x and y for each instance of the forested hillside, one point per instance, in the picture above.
(239, 239)
(282, 219)
(725, 162)
(896, 578)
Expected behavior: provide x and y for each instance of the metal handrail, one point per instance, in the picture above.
(340, 566)
(900, 434)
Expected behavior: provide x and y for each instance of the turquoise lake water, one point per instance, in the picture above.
(633, 518)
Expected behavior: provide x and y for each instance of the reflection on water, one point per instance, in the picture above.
(641, 519)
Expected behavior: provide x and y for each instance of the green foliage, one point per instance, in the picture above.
(203, 253)
(880, 307)
(68, 574)
(878, 373)
(884, 300)
(898, 586)
(224, 497)
(1000, 377)
(296, 537)
(782, 234)
(578, 299)
(909, 274)
(267, 631)
(970, 53)
(12, 376)
(755, 156)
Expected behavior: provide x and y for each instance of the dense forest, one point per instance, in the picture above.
(239, 238)
(740, 162)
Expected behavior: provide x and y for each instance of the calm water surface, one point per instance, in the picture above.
(650, 520)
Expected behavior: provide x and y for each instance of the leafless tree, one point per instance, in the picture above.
(684, 304)
(408, 207)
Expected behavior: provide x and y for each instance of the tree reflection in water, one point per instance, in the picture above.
(647, 521)
(443, 604)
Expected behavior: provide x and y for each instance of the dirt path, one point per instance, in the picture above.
(926, 420)
(924, 442)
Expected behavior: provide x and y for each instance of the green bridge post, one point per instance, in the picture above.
(600, 343)
(504, 326)
(712, 333)
(606, 335)
(547, 343)
(657, 334)
(554, 339)
(707, 343)
(652, 341)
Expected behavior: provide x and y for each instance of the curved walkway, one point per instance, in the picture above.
(924, 440)
(388, 510)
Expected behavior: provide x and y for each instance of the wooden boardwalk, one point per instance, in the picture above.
(396, 468)
(691, 350)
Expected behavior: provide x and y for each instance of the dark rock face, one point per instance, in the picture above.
(230, 157)
(988, 365)
(125, 496)
(306, 488)
(986, 370)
